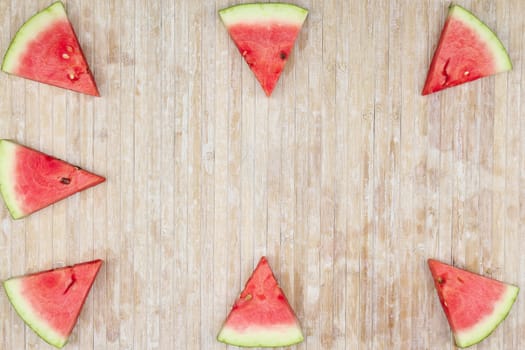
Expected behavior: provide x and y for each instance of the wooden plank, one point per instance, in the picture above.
(344, 119)
(302, 116)
(328, 175)
(194, 190)
(181, 173)
(112, 123)
(511, 93)
(381, 162)
(516, 270)
(209, 27)
(127, 61)
(168, 243)
(13, 233)
(236, 274)
(7, 324)
(222, 300)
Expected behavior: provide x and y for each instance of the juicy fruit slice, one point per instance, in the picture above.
(46, 49)
(265, 34)
(261, 316)
(474, 305)
(50, 301)
(31, 180)
(467, 50)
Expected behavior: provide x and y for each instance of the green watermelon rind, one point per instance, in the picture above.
(485, 327)
(263, 12)
(24, 310)
(38, 22)
(495, 45)
(275, 336)
(7, 163)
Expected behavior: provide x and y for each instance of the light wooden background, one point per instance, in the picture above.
(346, 178)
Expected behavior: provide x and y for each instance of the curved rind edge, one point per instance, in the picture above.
(256, 12)
(25, 312)
(26, 31)
(7, 150)
(487, 326)
(285, 336)
(497, 48)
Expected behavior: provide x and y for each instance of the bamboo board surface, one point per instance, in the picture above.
(347, 179)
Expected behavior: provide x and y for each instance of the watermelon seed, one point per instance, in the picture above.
(65, 56)
(248, 297)
(440, 280)
(282, 55)
(445, 73)
(65, 180)
(460, 279)
(73, 280)
(73, 76)
(466, 73)
(69, 48)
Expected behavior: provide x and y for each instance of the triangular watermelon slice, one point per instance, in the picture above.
(46, 49)
(50, 301)
(261, 316)
(31, 180)
(467, 50)
(265, 34)
(474, 305)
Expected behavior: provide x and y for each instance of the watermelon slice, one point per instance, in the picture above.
(50, 301)
(46, 49)
(265, 34)
(261, 316)
(31, 180)
(467, 50)
(474, 305)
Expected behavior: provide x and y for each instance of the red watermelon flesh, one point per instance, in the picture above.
(51, 301)
(46, 49)
(473, 304)
(261, 316)
(467, 50)
(265, 34)
(31, 180)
